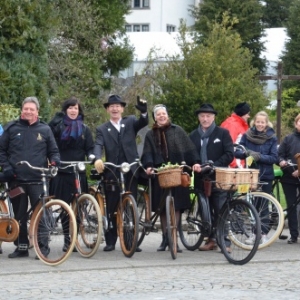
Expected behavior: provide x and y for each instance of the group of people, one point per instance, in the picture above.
(68, 138)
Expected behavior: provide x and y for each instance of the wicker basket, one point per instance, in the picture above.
(169, 178)
(229, 179)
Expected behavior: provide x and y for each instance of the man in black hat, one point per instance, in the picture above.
(215, 144)
(237, 126)
(117, 138)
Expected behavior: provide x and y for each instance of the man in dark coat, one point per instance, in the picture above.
(213, 143)
(117, 138)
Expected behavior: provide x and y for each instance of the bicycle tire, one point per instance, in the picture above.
(48, 230)
(128, 224)
(171, 226)
(235, 224)
(195, 223)
(274, 221)
(144, 214)
(89, 223)
(99, 198)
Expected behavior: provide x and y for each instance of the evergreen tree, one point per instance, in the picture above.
(249, 26)
(275, 13)
(217, 72)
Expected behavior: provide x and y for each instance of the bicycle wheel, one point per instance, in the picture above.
(89, 222)
(271, 216)
(195, 223)
(128, 224)
(99, 198)
(236, 222)
(144, 214)
(48, 233)
(171, 226)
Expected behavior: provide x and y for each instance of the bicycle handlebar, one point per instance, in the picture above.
(123, 167)
(239, 146)
(52, 171)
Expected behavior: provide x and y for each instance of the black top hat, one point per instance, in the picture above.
(114, 99)
(206, 108)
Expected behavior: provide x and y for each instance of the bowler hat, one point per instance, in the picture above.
(206, 108)
(114, 99)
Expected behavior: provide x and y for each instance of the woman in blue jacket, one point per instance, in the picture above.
(261, 144)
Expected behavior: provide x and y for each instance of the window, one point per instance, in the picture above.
(141, 4)
(171, 28)
(136, 27)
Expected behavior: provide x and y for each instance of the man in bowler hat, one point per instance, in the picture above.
(237, 125)
(117, 138)
(215, 144)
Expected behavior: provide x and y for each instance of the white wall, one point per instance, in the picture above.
(161, 13)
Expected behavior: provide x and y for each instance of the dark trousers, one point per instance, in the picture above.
(112, 201)
(20, 207)
(291, 192)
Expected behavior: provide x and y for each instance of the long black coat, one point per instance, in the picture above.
(180, 148)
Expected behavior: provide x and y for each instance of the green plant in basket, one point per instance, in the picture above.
(168, 166)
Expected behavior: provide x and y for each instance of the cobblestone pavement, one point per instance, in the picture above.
(272, 273)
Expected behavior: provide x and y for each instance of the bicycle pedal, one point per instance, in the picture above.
(23, 247)
(154, 229)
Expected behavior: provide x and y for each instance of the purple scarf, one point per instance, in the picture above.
(73, 128)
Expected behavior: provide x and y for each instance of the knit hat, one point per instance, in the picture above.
(242, 109)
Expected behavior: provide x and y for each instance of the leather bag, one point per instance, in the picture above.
(185, 179)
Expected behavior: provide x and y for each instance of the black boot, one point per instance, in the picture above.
(164, 244)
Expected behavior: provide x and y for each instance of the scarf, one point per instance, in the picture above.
(160, 139)
(204, 136)
(73, 128)
(257, 137)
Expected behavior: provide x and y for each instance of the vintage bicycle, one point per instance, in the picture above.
(87, 212)
(46, 224)
(237, 220)
(269, 210)
(126, 211)
(147, 219)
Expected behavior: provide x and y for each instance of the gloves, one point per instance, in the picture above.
(9, 173)
(141, 105)
(99, 166)
(255, 155)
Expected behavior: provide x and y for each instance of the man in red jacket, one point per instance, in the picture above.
(237, 125)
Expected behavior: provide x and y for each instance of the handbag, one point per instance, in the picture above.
(185, 179)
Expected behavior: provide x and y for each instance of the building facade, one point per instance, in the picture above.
(159, 15)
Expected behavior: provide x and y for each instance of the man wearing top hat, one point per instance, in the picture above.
(117, 138)
(215, 144)
(237, 126)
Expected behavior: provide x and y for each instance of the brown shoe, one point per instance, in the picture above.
(209, 245)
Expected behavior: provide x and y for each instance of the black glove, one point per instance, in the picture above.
(255, 155)
(141, 105)
(9, 173)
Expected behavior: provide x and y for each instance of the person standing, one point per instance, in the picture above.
(237, 125)
(165, 143)
(290, 181)
(32, 140)
(215, 144)
(260, 142)
(117, 138)
(75, 143)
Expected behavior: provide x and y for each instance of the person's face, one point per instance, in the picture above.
(246, 116)
(30, 112)
(161, 117)
(73, 112)
(206, 119)
(297, 125)
(115, 111)
(260, 123)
